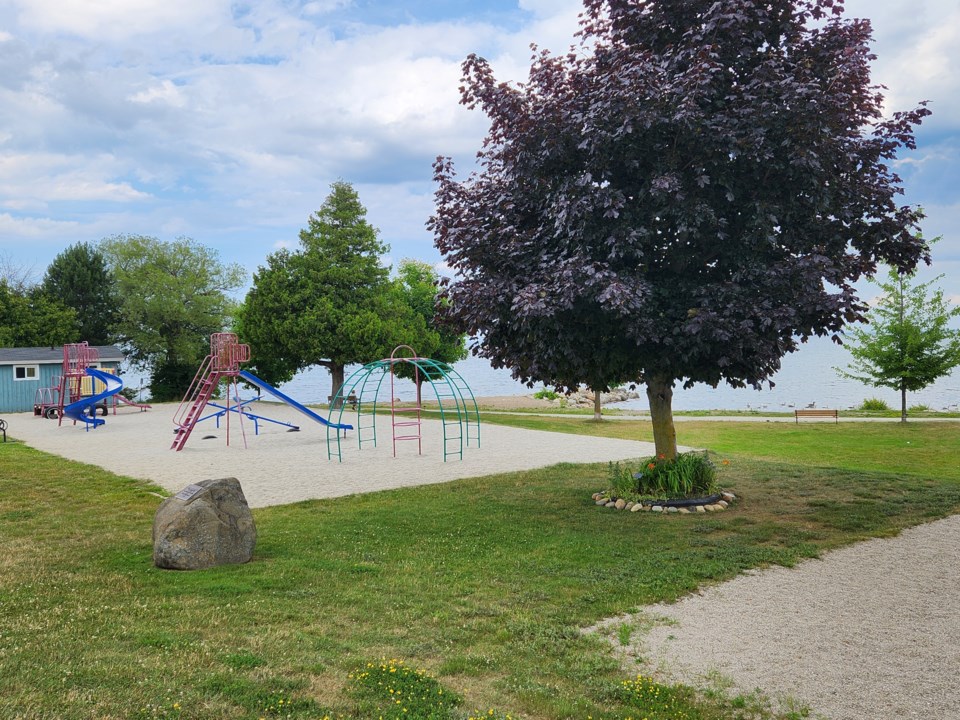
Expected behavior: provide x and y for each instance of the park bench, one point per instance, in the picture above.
(351, 400)
(3, 429)
(815, 413)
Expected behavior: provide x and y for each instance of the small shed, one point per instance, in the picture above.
(25, 370)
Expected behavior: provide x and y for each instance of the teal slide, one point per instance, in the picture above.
(78, 410)
(254, 380)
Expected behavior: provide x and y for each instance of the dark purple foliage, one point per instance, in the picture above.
(697, 185)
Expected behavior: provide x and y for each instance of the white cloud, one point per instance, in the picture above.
(35, 228)
(35, 180)
(97, 19)
(443, 269)
(164, 92)
(228, 123)
(918, 53)
(321, 8)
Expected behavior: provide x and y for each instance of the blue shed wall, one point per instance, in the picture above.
(19, 395)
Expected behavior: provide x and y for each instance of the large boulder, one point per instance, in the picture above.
(204, 525)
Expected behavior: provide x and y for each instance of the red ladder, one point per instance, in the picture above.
(405, 421)
(196, 399)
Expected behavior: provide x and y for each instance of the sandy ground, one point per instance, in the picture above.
(869, 631)
(278, 467)
(516, 402)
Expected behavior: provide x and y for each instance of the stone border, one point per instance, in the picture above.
(605, 500)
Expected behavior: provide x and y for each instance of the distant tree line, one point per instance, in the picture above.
(330, 303)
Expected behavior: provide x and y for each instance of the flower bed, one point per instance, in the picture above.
(682, 506)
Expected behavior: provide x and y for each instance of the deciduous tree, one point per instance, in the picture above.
(907, 343)
(684, 198)
(173, 296)
(419, 287)
(30, 318)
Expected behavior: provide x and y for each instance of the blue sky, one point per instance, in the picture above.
(227, 121)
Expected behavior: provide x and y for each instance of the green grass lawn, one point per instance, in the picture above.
(484, 584)
(912, 448)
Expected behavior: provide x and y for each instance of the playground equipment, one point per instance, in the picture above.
(76, 384)
(459, 415)
(223, 363)
(242, 407)
(127, 401)
(85, 408)
(47, 403)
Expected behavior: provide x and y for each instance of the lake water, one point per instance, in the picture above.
(805, 378)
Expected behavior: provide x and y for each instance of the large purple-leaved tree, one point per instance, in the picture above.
(682, 198)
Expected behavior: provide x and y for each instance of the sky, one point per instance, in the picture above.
(226, 121)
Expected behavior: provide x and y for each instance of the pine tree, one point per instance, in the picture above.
(327, 303)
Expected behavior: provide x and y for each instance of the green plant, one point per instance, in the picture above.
(873, 405)
(392, 690)
(907, 342)
(688, 475)
(920, 408)
(545, 394)
(655, 700)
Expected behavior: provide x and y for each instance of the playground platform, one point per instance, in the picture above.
(279, 467)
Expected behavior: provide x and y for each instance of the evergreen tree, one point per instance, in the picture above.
(79, 278)
(908, 343)
(328, 303)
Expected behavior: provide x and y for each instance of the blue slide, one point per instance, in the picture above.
(78, 410)
(254, 380)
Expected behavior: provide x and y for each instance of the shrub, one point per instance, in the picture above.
(545, 394)
(689, 475)
(920, 408)
(874, 405)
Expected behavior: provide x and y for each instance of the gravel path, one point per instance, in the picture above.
(867, 632)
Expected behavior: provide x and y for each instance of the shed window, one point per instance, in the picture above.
(26, 372)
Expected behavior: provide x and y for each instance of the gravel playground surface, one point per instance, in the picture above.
(279, 467)
(869, 631)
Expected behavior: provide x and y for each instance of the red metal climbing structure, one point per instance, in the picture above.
(77, 357)
(223, 362)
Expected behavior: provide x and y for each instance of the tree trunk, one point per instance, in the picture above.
(903, 403)
(597, 412)
(336, 382)
(660, 397)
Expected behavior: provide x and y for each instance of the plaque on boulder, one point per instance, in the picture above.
(204, 525)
